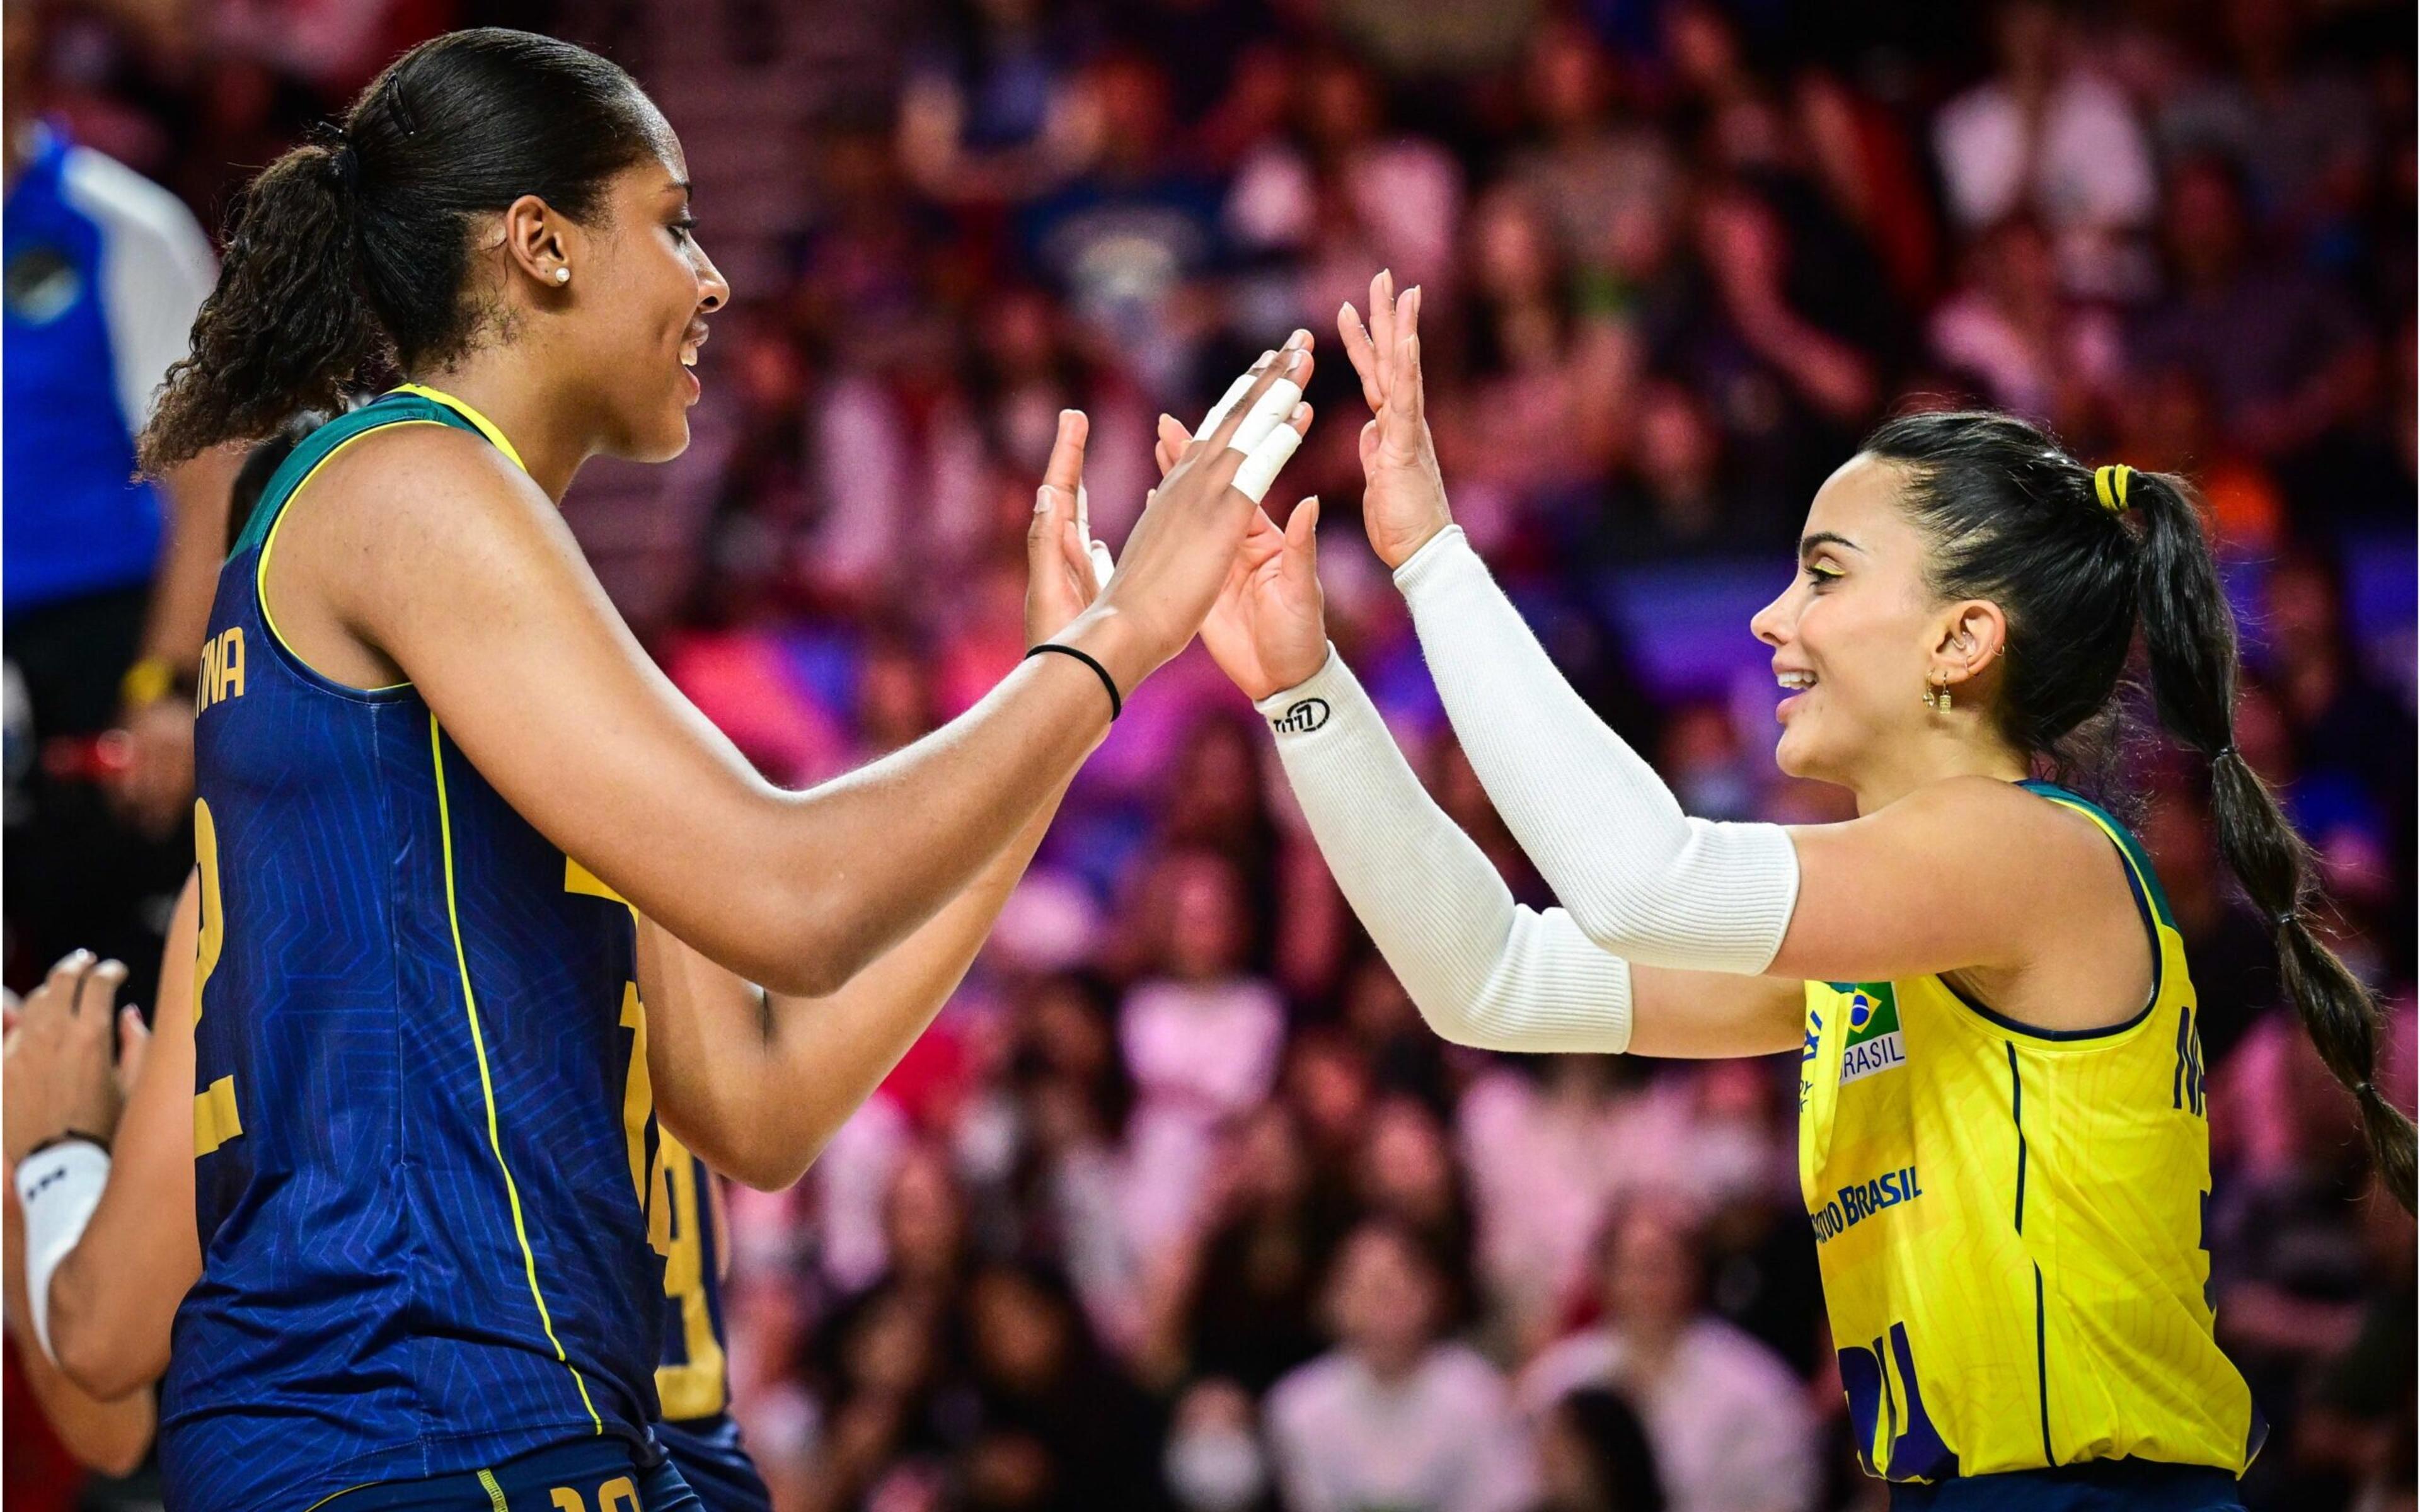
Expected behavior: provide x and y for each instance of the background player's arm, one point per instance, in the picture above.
(483, 600)
(756, 1082)
(108, 1436)
(114, 1297)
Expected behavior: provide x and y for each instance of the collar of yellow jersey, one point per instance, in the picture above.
(486, 427)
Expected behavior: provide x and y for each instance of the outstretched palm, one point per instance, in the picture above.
(1402, 500)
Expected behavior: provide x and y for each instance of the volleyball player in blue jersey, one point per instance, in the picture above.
(455, 829)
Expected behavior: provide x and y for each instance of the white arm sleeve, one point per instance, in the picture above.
(1482, 970)
(1639, 876)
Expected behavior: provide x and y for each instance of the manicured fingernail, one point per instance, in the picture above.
(1295, 362)
(1041, 500)
(1301, 413)
(1266, 358)
(1300, 338)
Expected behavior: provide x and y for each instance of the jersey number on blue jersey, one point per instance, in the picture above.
(694, 1388)
(215, 1120)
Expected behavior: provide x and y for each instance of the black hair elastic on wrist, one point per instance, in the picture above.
(1117, 703)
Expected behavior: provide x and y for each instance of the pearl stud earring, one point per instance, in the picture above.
(563, 275)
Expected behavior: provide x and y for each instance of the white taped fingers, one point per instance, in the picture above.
(1273, 409)
(1229, 400)
(1264, 461)
(1267, 435)
(1103, 563)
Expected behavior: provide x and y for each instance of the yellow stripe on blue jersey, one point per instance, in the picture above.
(2010, 1223)
(487, 1081)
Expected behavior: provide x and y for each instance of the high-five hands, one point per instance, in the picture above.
(1268, 630)
(1184, 546)
(1402, 498)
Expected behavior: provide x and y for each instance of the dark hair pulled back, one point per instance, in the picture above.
(2017, 521)
(350, 255)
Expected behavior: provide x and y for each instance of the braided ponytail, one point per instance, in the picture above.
(2078, 557)
(2189, 634)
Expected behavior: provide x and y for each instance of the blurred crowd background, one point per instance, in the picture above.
(1180, 1205)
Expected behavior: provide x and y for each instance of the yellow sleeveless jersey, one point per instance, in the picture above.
(2010, 1225)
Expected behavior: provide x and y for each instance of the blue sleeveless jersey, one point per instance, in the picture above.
(423, 1128)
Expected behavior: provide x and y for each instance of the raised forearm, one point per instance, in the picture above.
(181, 590)
(109, 1436)
(889, 846)
(112, 1299)
(758, 1081)
(1639, 876)
(1483, 969)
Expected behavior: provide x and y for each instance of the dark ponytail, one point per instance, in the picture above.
(2076, 560)
(2189, 636)
(350, 257)
(285, 328)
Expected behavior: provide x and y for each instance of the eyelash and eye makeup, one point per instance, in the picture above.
(685, 228)
(1820, 575)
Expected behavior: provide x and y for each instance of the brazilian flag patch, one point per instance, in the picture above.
(1873, 1045)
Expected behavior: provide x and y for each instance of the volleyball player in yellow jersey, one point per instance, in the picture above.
(2003, 1143)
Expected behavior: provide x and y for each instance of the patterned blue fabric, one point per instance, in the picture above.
(424, 1245)
(716, 1465)
(595, 1476)
(707, 1448)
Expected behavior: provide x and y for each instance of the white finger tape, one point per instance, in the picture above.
(1267, 415)
(1229, 400)
(1263, 462)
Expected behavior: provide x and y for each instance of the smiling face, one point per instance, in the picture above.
(644, 287)
(1859, 632)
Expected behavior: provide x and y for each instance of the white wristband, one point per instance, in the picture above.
(58, 1188)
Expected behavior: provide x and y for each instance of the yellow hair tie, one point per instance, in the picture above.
(2110, 484)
